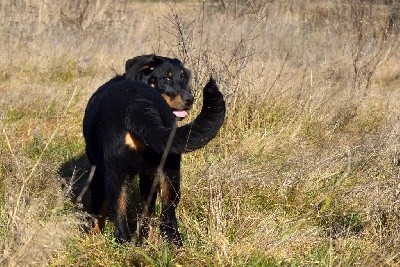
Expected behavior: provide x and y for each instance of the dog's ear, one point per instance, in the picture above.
(136, 67)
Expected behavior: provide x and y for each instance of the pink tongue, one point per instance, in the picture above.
(180, 114)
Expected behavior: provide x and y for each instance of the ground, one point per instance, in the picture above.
(305, 171)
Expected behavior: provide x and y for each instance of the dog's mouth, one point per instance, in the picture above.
(181, 114)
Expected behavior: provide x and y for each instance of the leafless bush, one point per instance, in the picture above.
(42, 16)
(374, 40)
(235, 54)
(92, 14)
(372, 37)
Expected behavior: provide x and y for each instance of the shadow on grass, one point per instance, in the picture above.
(74, 175)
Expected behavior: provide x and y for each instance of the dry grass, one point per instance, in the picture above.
(304, 172)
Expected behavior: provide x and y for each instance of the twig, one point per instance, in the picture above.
(85, 188)
(159, 171)
(268, 91)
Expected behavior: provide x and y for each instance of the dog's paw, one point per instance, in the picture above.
(122, 235)
(211, 87)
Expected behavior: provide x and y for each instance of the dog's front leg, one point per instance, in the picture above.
(170, 196)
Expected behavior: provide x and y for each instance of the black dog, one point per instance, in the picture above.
(126, 126)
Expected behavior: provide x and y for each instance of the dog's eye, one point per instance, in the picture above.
(171, 94)
(183, 76)
(168, 79)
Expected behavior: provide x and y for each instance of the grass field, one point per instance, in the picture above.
(305, 171)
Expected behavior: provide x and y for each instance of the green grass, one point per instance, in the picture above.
(301, 173)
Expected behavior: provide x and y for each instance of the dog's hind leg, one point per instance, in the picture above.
(170, 196)
(117, 197)
(98, 203)
(147, 203)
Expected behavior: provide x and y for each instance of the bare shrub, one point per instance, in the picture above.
(42, 16)
(372, 38)
(92, 14)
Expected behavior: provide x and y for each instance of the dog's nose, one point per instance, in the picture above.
(188, 100)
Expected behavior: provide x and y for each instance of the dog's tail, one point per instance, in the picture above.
(205, 127)
(188, 137)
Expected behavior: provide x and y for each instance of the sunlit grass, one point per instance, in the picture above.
(304, 171)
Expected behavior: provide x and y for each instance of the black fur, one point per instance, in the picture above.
(126, 126)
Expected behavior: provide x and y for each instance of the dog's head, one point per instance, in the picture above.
(166, 75)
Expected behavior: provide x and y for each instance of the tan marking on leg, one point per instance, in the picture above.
(164, 189)
(96, 227)
(122, 202)
(151, 231)
(133, 143)
(100, 220)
